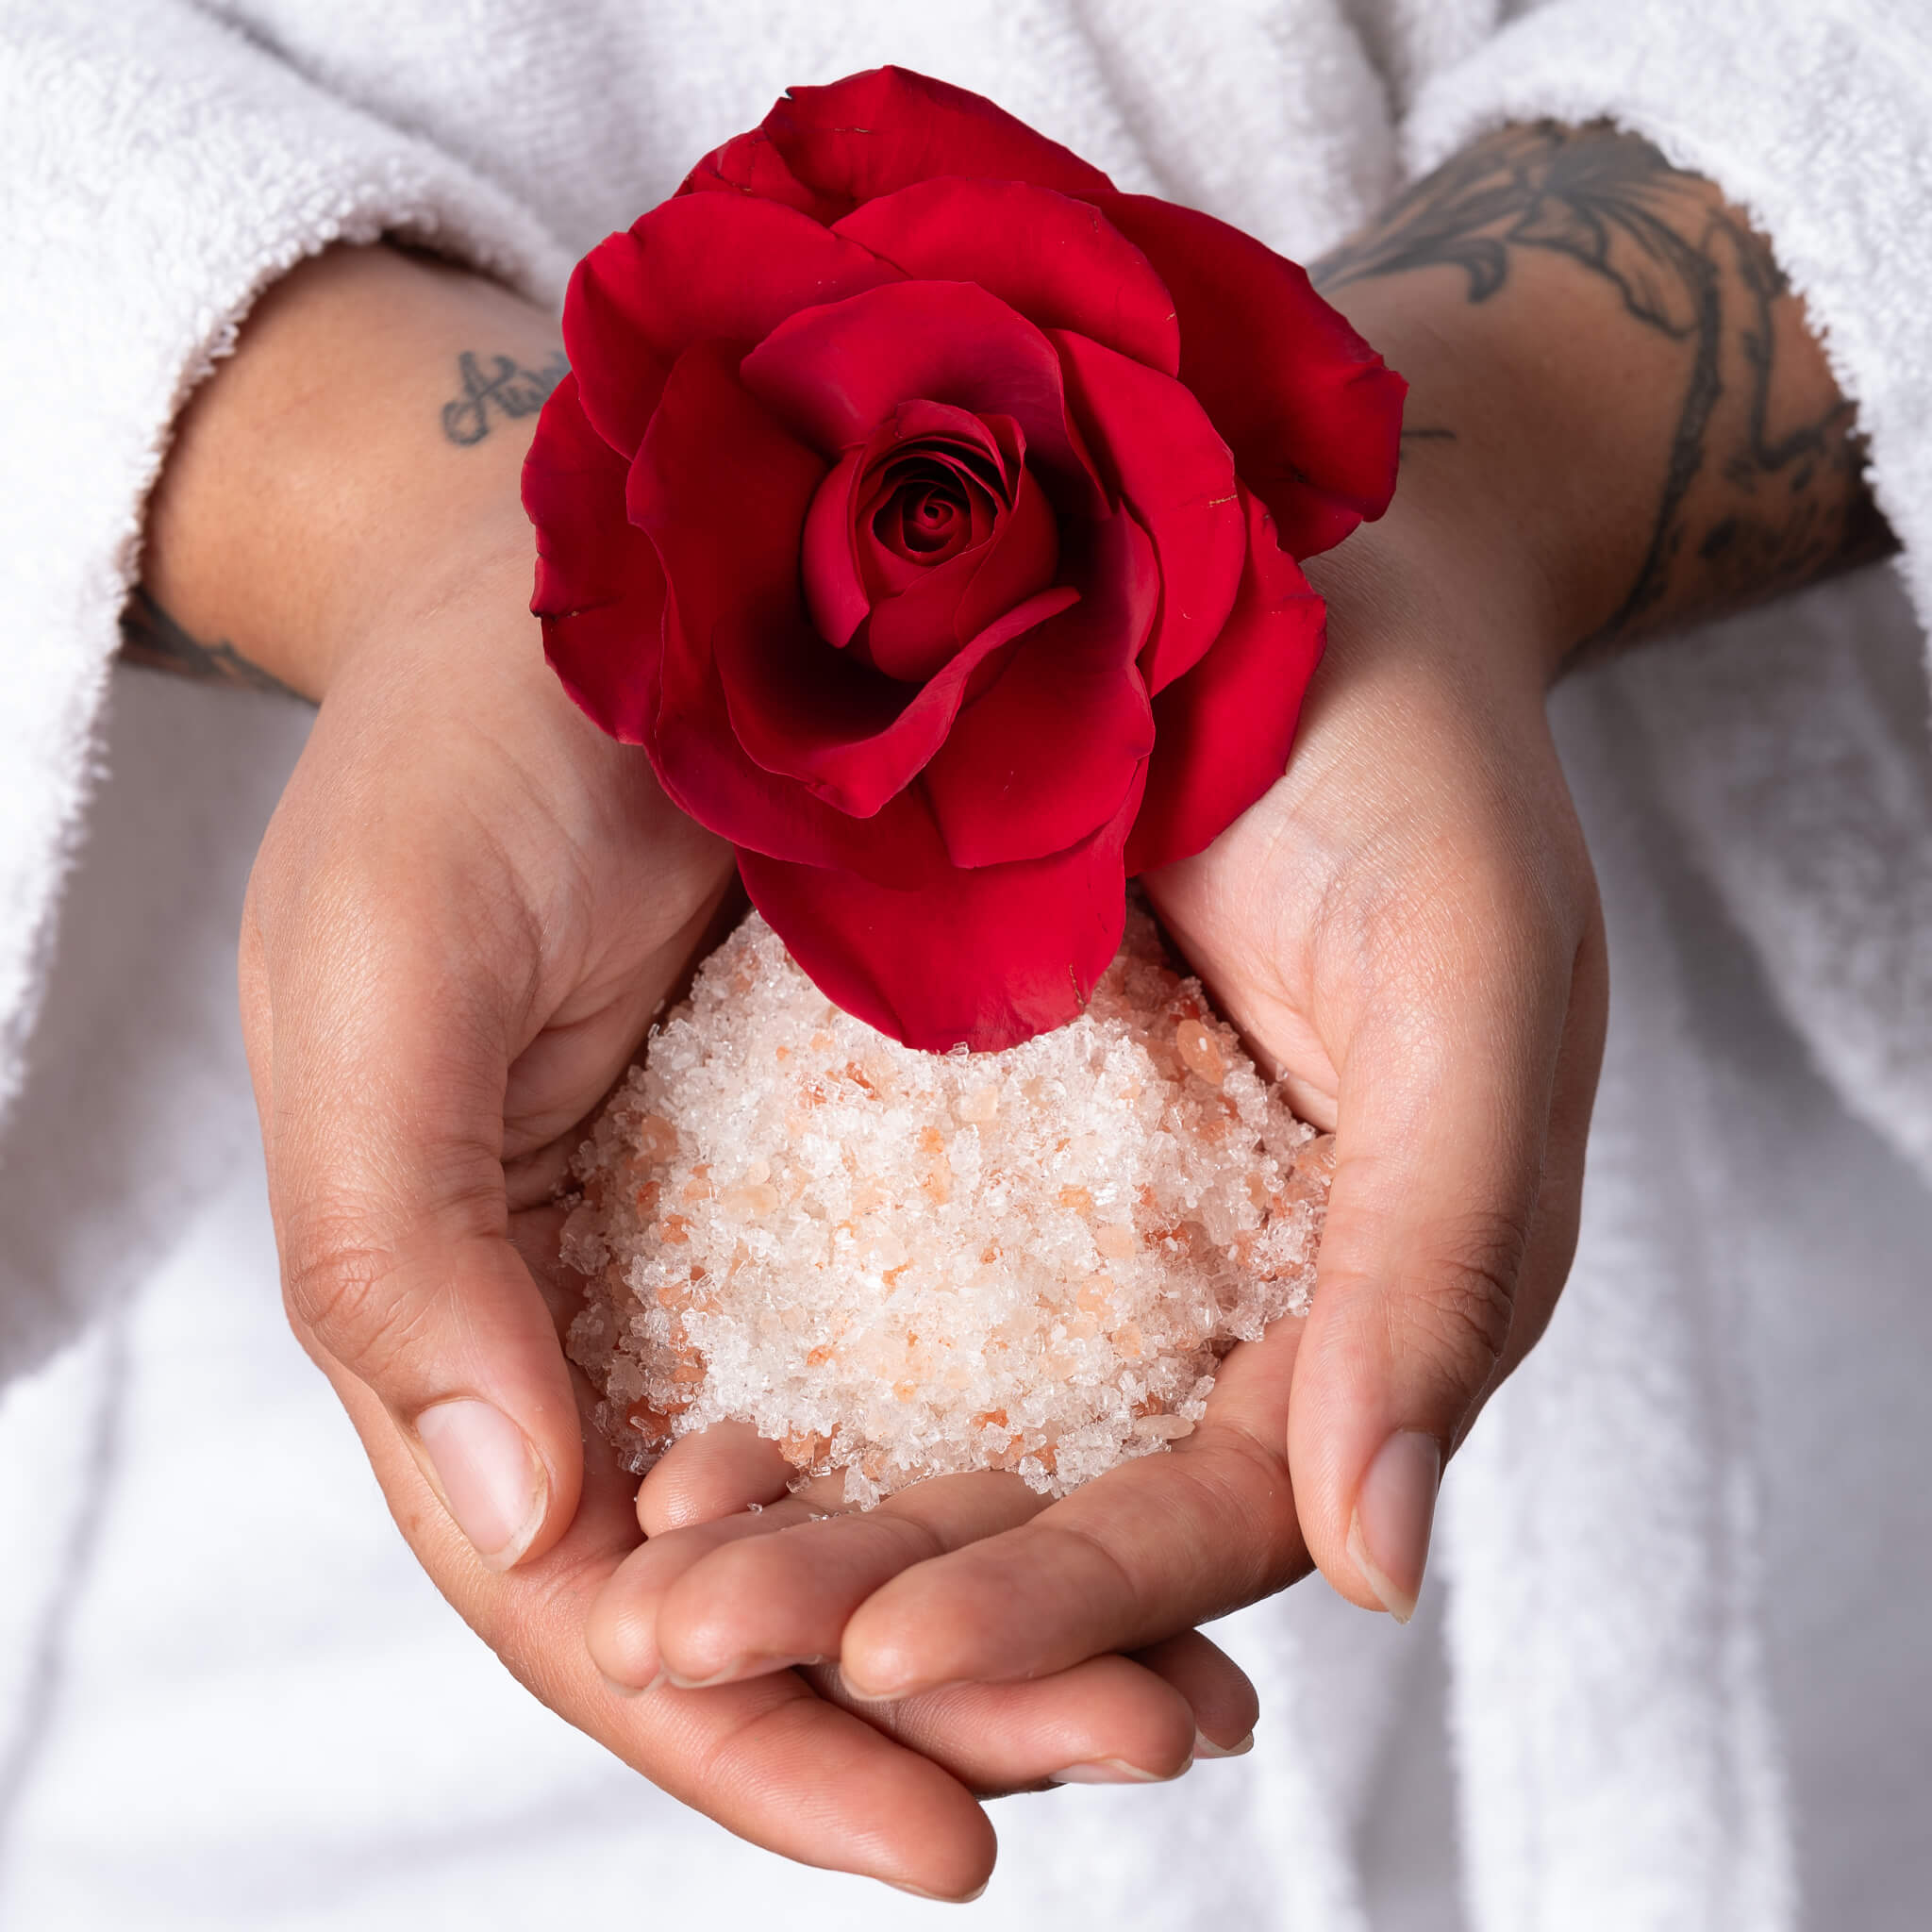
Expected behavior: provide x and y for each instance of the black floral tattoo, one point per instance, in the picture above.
(506, 387)
(151, 638)
(1755, 496)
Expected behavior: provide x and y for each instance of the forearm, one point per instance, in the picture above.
(1618, 418)
(361, 446)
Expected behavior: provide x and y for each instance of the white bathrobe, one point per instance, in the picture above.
(1670, 1672)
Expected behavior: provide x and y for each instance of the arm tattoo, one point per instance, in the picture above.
(1761, 489)
(506, 386)
(150, 637)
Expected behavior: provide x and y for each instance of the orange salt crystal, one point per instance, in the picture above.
(1116, 1241)
(937, 1182)
(1079, 1199)
(654, 1427)
(657, 1140)
(1200, 1051)
(980, 1107)
(749, 1200)
(1162, 1428)
(673, 1230)
(990, 1419)
(817, 1357)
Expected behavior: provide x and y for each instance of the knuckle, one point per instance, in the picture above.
(1463, 1298)
(346, 1293)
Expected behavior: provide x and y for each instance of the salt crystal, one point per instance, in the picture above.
(885, 1260)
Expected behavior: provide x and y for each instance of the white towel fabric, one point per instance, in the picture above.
(1679, 1559)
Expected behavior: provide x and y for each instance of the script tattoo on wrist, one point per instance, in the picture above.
(151, 638)
(1763, 486)
(504, 385)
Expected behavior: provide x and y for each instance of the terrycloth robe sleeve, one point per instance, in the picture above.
(1815, 117)
(158, 170)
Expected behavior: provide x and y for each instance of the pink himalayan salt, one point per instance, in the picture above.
(906, 1264)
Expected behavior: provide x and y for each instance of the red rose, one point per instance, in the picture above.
(928, 510)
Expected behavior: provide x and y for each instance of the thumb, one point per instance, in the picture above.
(381, 1068)
(1461, 1122)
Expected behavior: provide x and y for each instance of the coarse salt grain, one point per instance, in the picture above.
(905, 1264)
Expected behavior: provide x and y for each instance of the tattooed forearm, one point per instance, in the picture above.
(1761, 483)
(150, 637)
(502, 384)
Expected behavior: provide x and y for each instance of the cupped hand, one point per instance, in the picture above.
(1405, 930)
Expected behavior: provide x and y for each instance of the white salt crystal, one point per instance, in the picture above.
(904, 1265)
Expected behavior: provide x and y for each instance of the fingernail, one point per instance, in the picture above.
(860, 1695)
(940, 1898)
(738, 1669)
(1388, 1538)
(631, 1690)
(1205, 1746)
(492, 1480)
(1110, 1771)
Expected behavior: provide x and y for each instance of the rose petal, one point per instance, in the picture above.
(1224, 731)
(699, 269)
(1311, 412)
(749, 164)
(987, 958)
(1158, 452)
(599, 590)
(785, 716)
(1050, 749)
(834, 592)
(874, 133)
(832, 374)
(707, 773)
(1056, 261)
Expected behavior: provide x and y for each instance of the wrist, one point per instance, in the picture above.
(1508, 506)
(359, 457)
(1617, 405)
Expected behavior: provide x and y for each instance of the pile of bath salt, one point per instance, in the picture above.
(905, 1264)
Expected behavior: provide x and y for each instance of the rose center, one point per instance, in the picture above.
(928, 517)
(927, 514)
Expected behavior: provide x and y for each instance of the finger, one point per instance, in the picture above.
(621, 1623)
(1135, 1721)
(1109, 1721)
(1447, 1087)
(1217, 1691)
(719, 1601)
(1153, 1546)
(719, 1473)
(769, 1760)
(758, 1603)
(387, 1059)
